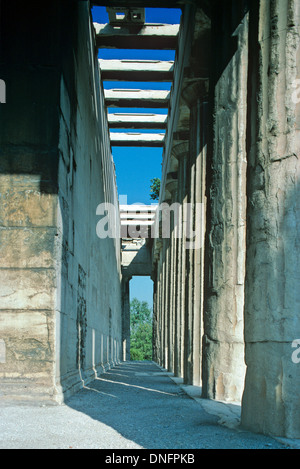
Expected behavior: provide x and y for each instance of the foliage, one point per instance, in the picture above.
(140, 330)
(155, 188)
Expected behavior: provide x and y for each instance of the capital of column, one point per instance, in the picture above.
(180, 150)
(168, 195)
(194, 90)
(171, 184)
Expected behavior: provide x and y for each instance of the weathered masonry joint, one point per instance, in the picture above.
(227, 307)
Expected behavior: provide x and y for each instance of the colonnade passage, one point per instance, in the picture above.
(222, 243)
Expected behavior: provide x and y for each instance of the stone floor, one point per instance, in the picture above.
(135, 405)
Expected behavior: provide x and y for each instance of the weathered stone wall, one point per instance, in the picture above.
(272, 321)
(60, 289)
(88, 323)
(28, 197)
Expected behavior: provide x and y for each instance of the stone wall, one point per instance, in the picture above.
(60, 287)
(28, 198)
(88, 322)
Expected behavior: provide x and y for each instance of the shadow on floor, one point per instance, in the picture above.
(142, 403)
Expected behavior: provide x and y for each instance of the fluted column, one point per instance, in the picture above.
(159, 310)
(200, 187)
(223, 357)
(126, 318)
(272, 294)
(180, 153)
(194, 94)
(171, 189)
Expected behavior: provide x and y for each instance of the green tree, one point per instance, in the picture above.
(140, 330)
(155, 188)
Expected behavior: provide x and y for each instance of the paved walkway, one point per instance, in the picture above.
(135, 405)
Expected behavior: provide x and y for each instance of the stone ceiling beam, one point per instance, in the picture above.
(148, 36)
(136, 140)
(137, 121)
(137, 98)
(136, 70)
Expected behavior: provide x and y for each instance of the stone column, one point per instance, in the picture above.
(223, 355)
(167, 286)
(126, 318)
(272, 297)
(160, 324)
(189, 271)
(180, 152)
(200, 223)
(167, 327)
(161, 308)
(164, 293)
(171, 188)
(155, 323)
(157, 302)
(194, 93)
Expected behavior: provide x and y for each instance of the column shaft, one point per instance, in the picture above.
(126, 318)
(223, 358)
(272, 295)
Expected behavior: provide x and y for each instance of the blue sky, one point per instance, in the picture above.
(153, 15)
(135, 167)
(142, 289)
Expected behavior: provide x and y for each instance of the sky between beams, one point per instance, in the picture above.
(135, 167)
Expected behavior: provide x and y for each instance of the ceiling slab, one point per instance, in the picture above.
(148, 36)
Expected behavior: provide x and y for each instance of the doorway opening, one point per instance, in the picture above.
(141, 319)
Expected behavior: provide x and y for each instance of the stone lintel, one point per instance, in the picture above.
(137, 98)
(136, 70)
(148, 36)
(138, 139)
(137, 121)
